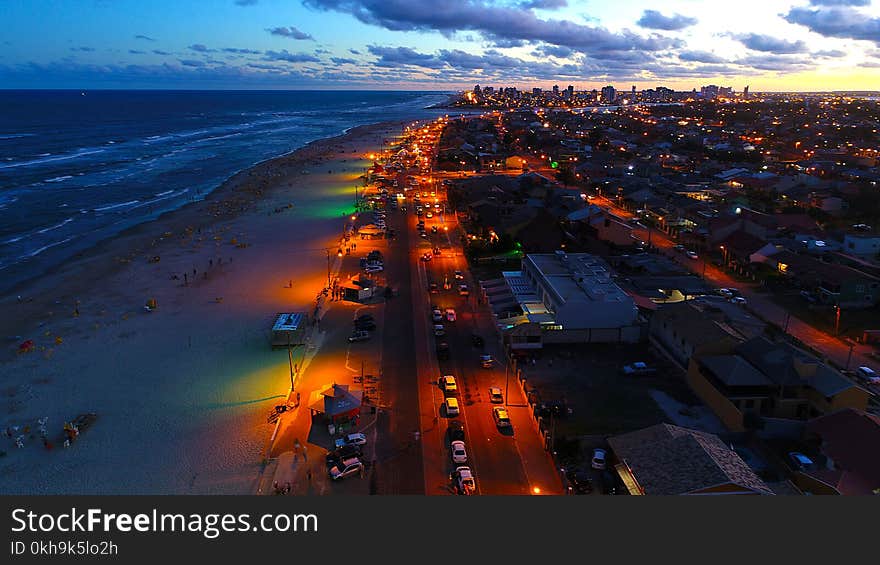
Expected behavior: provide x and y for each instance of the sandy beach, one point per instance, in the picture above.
(181, 393)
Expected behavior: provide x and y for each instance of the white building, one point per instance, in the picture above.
(568, 298)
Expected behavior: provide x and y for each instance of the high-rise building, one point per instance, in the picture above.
(555, 91)
(570, 91)
(477, 90)
(746, 92)
(609, 94)
(536, 92)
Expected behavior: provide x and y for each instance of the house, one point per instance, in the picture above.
(612, 229)
(671, 460)
(849, 443)
(763, 379)
(683, 332)
(835, 284)
(516, 162)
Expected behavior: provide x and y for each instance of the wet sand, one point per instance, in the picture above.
(182, 392)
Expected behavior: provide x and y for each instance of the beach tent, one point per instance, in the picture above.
(336, 402)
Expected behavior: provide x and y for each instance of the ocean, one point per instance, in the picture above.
(78, 167)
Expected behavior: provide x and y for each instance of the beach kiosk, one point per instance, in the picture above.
(337, 405)
(289, 329)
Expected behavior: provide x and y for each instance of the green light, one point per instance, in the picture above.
(554, 165)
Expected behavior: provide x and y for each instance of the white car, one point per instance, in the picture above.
(464, 480)
(355, 439)
(726, 292)
(450, 315)
(459, 455)
(437, 316)
(692, 254)
(599, 457)
(738, 300)
(346, 468)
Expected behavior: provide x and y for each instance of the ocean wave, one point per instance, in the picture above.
(58, 179)
(50, 159)
(39, 250)
(15, 135)
(56, 226)
(163, 193)
(117, 205)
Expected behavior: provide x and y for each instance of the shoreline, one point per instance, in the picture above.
(181, 393)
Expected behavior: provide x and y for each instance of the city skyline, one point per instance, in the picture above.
(791, 45)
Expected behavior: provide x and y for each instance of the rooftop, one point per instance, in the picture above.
(577, 277)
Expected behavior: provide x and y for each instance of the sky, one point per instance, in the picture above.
(770, 45)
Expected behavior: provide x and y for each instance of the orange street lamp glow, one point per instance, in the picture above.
(536, 490)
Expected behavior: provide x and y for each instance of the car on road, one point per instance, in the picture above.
(436, 251)
(495, 395)
(423, 235)
(487, 361)
(868, 375)
(450, 315)
(429, 214)
(726, 292)
(443, 351)
(374, 269)
(433, 228)
(459, 276)
(464, 481)
(448, 384)
(346, 468)
(692, 254)
(455, 430)
(352, 439)
(459, 454)
(437, 316)
(360, 335)
(439, 330)
(451, 407)
(739, 300)
(427, 257)
(477, 340)
(501, 417)
(463, 290)
(599, 459)
(433, 287)
(680, 248)
(638, 368)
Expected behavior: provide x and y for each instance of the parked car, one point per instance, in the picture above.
(451, 407)
(433, 287)
(495, 395)
(739, 300)
(352, 439)
(868, 375)
(459, 276)
(360, 335)
(345, 452)
(437, 316)
(599, 459)
(638, 368)
(692, 254)
(439, 330)
(501, 417)
(487, 361)
(450, 315)
(464, 481)
(455, 430)
(345, 468)
(726, 292)
(448, 384)
(459, 454)
(463, 290)
(800, 461)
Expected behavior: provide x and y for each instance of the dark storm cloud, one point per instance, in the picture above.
(289, 32)
(284, 55)
(495, 22)
(842, 22)
(770, 44)
(701, 57)
(652, 19)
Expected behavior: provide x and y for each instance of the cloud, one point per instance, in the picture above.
(290, 32)
(245, 2)
(770, 44)
(284, 55)
(701, 57)
(84, 49)
(652, 19)
(393, 56)
(774, 62)
(833, 53)
(158, 52)
(558, 51)
(136, 52)
(842, 22)
(241, 51)
(354, 51)
(840, 2)
(343, 61)
(495, 22)
(144, 37)
(198, 47)
(191, 63)
(544, 4)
